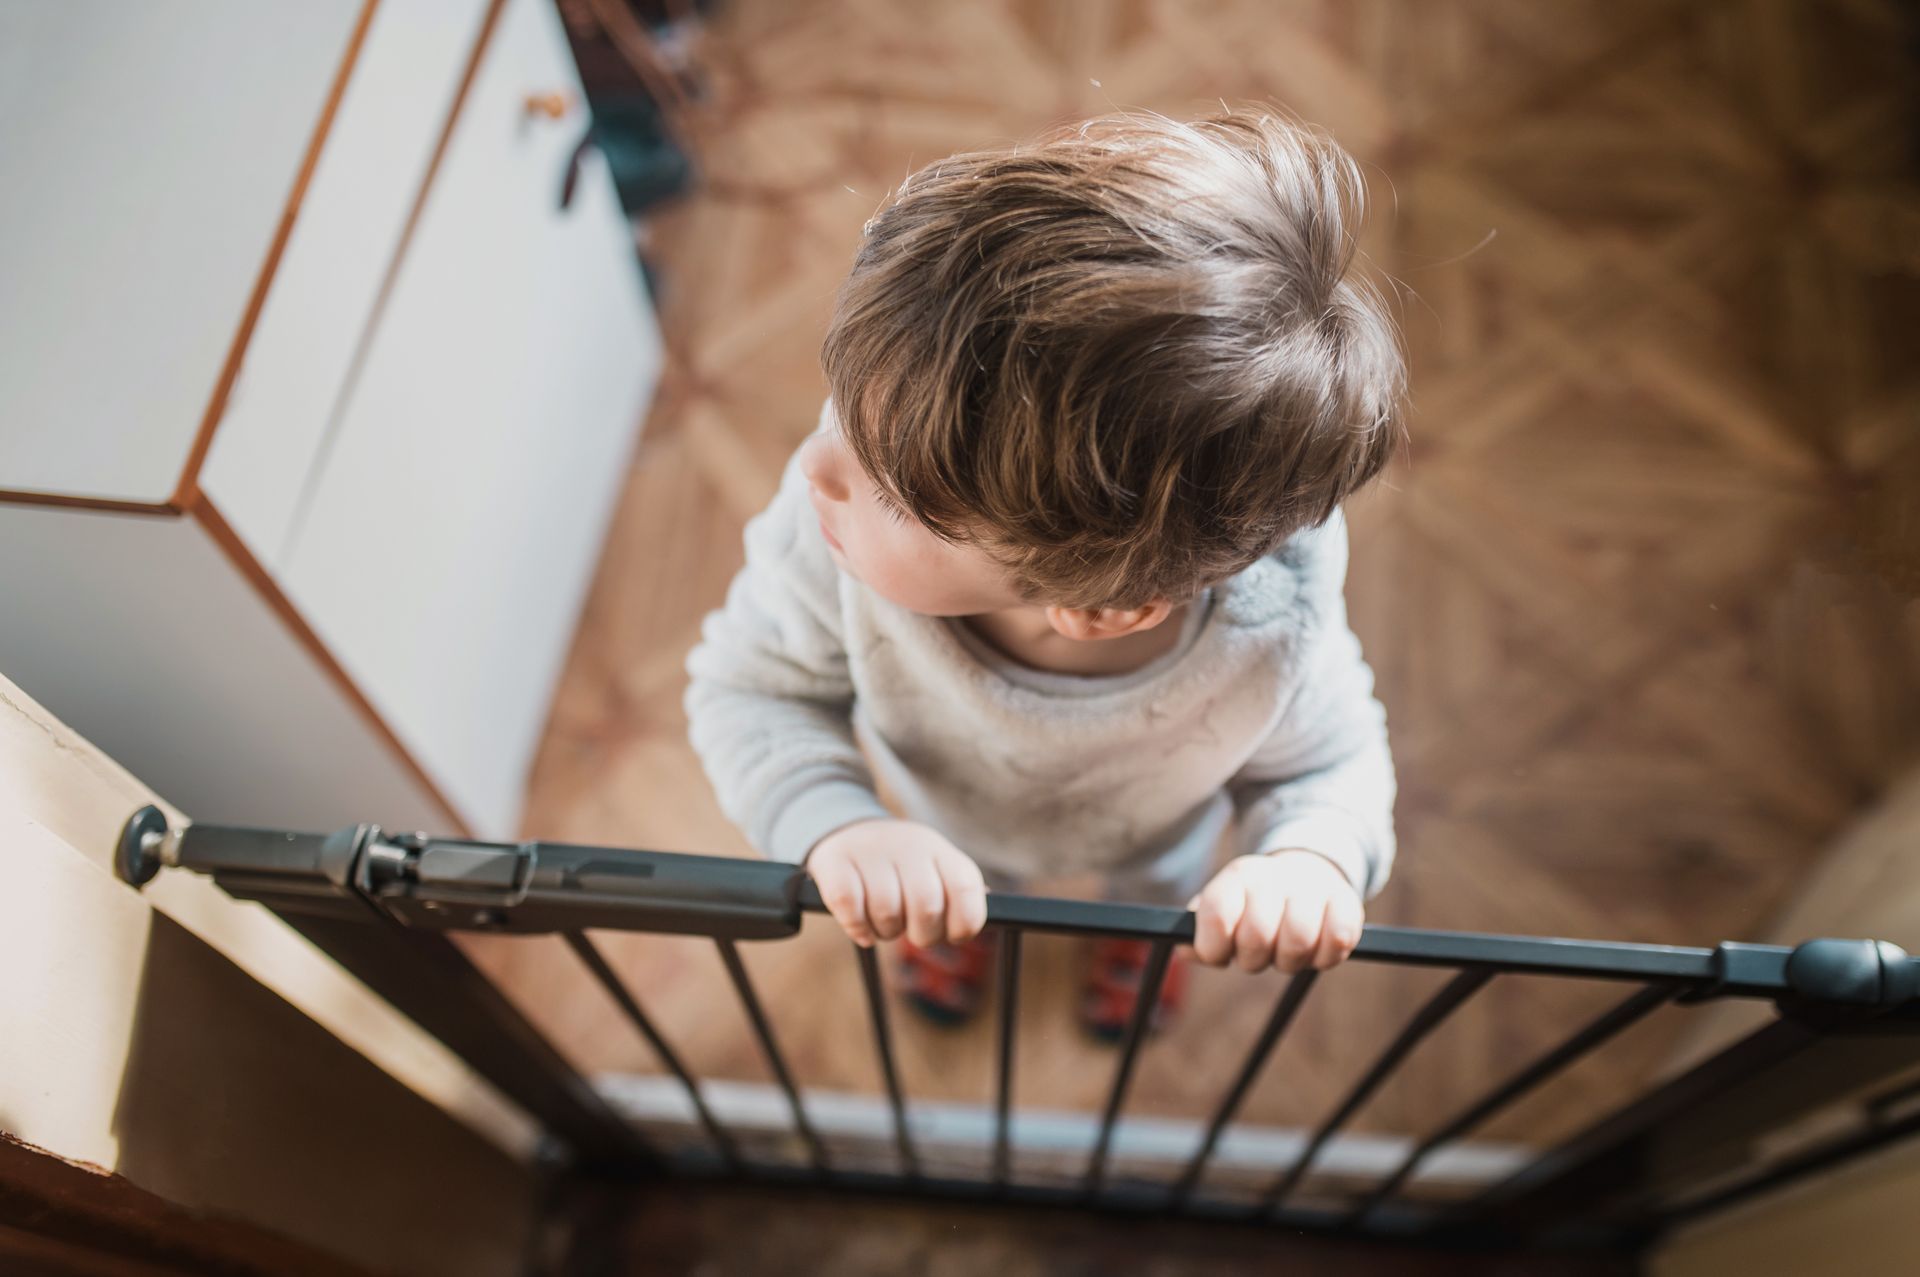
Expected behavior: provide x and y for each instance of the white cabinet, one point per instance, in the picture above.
(373, 556)
(146, 154)
(457, 515)
(341, 252)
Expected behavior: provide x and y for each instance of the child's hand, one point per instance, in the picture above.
(880, 877)
(1288, 909)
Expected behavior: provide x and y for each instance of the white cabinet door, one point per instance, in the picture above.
(146, 155)
(457, 519)
(351, 219)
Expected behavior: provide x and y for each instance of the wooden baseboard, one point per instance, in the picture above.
(58, 1216)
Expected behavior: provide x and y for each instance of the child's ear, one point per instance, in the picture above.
(1107, 622)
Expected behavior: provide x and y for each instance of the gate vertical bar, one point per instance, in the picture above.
(1009, 1005)
(596, 963)
(1627, 1013)
(1145, 1003)
(1814, 1160)
(1283, 1012)
(763, 1030)
(1425, 1021)
(1702, 1122)
(883, 1047)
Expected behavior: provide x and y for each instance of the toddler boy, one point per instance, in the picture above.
(1061, 571)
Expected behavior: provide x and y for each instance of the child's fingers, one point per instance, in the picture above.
(1259, 924)
(1300, 931)
(966, 897)
(925, 898)
(846, 899)
(1216, 913)
(885, 908)
(1341, 932)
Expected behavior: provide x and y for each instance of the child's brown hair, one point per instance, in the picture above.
(1127, 359)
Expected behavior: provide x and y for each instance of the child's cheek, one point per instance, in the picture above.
(911, 576)
(904, 584)
(913, 569)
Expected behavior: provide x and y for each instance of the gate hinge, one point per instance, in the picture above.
(455, 883)
(458, 884)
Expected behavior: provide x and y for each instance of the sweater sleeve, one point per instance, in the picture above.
(770, 700)
(1323, 779)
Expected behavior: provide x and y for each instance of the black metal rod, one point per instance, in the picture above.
(1283, 1012)
(1623, 1168)
(1813, 1160)
(1145, 1003)
(883, 1047)
(596, 963)
(1425, 1021)
(545, 887)
(763, 1029)
(1622, 1016)
(1003, 1080)
(1881, 1107)
(1761, 970)
(1605, 1161)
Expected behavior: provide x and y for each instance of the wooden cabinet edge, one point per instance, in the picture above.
(186, 488)
(208, 516)
(60, 500)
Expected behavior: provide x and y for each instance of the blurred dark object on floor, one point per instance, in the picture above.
(648, 165)
(638, 62)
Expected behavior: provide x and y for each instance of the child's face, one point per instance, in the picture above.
(891, 552)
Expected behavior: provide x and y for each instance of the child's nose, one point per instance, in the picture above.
(820, 464)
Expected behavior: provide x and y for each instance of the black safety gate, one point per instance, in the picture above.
(1847, 1028)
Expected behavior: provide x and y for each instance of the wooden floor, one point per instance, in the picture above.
(1639, 595)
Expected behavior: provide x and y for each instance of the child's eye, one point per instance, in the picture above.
(891, 508)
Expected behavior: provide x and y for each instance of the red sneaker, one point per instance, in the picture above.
(946, 982)
(1113, 988)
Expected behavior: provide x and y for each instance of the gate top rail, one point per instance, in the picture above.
(452, 884)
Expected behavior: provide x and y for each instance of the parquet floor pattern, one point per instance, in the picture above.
(1639, 594)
